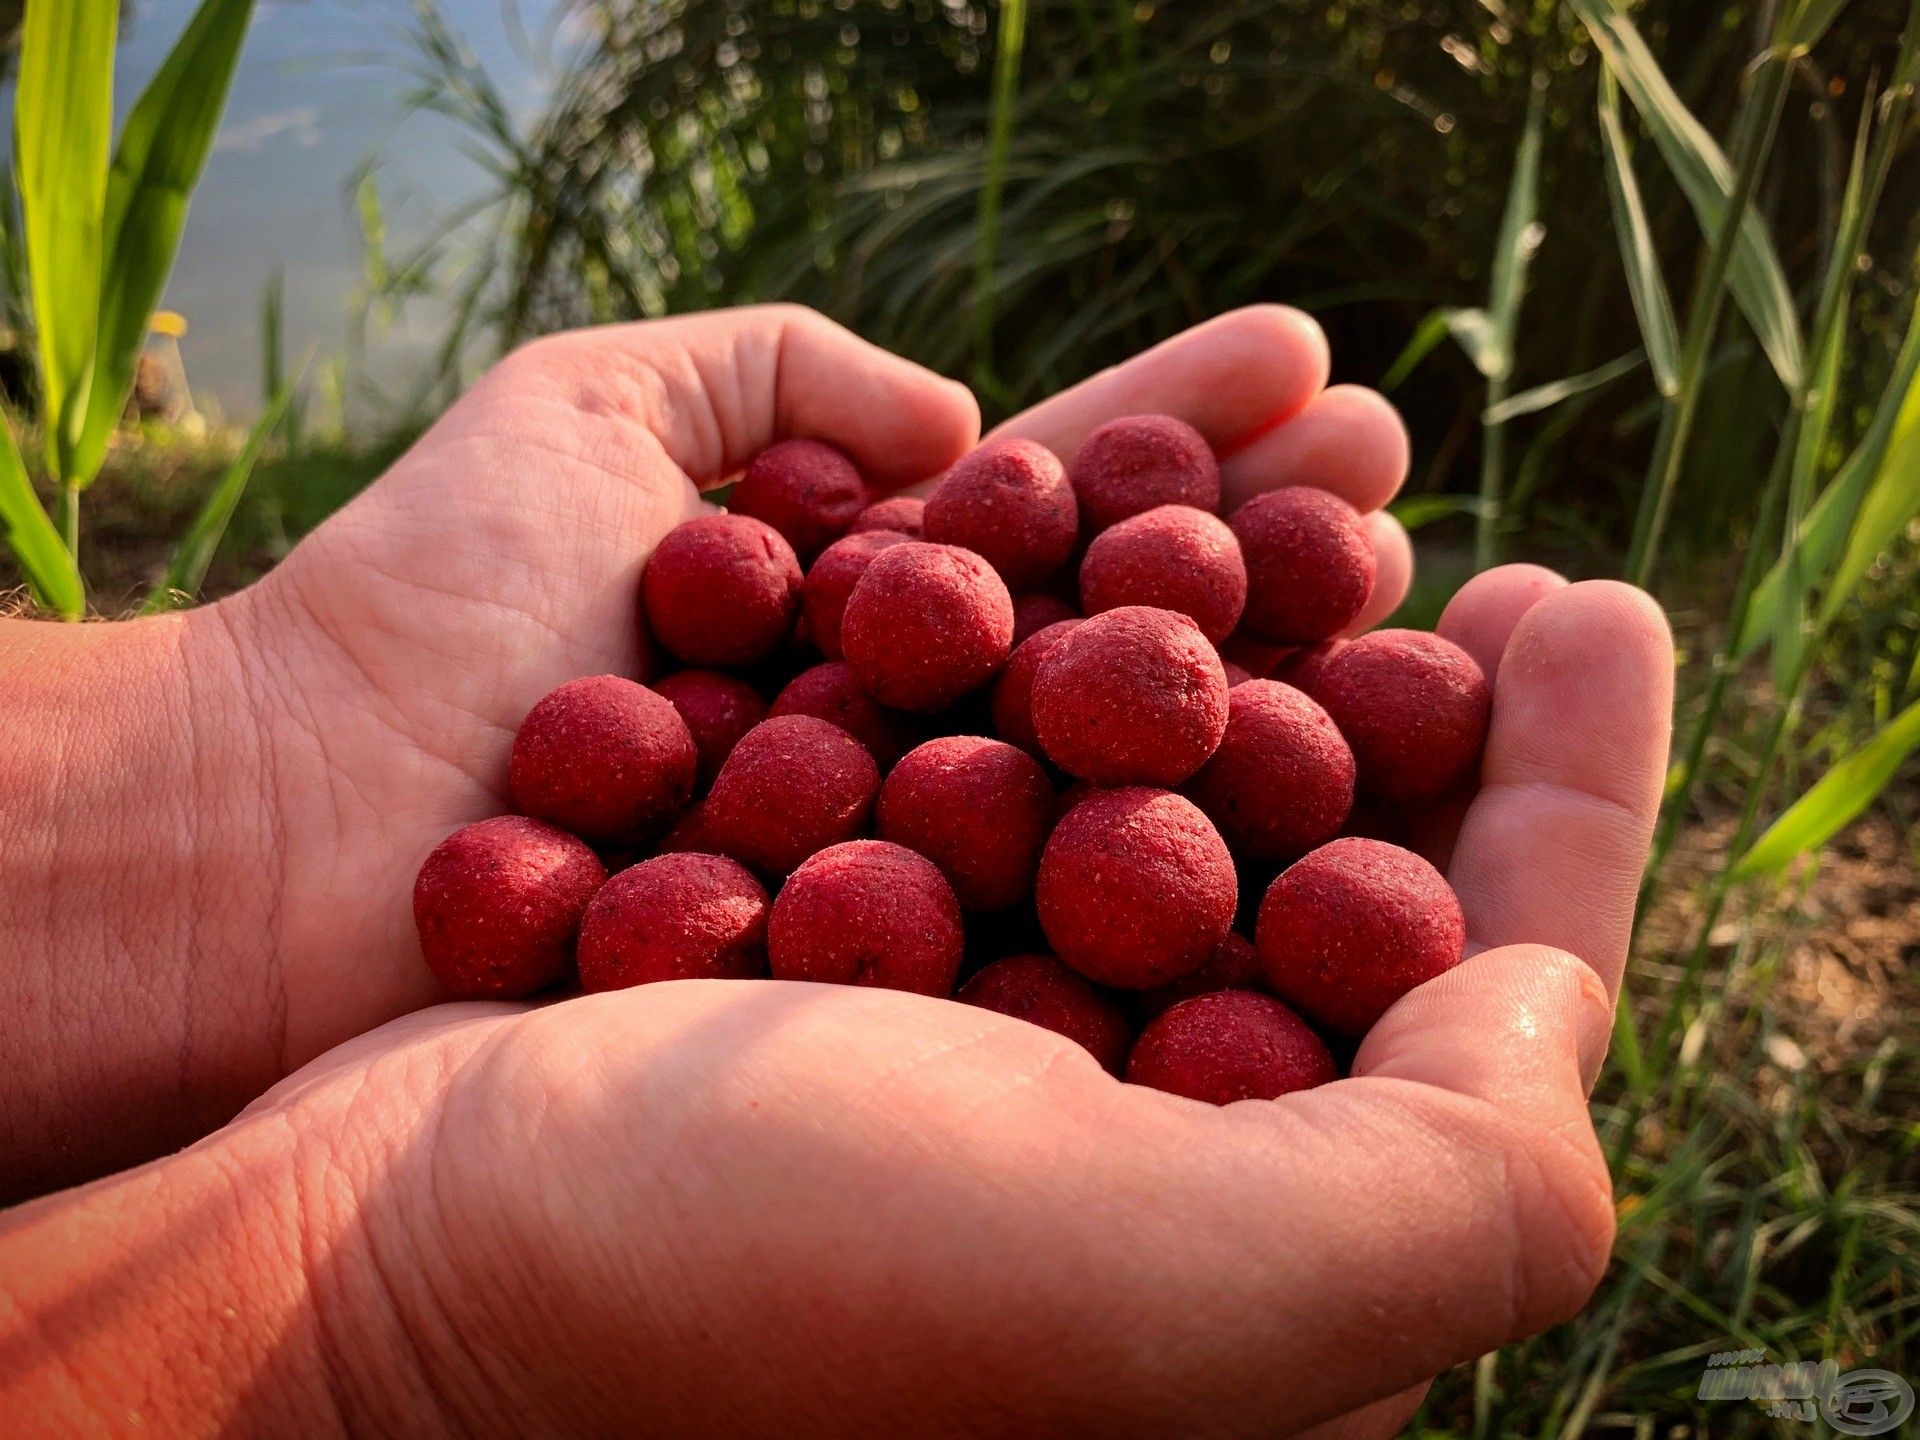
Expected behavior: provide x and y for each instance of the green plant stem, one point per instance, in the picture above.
(67, 517)
(1669, 452)
(1009, 41)
(1493, 482)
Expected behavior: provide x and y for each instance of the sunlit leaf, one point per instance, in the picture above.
(29, 533)
(1542, 397)
(1646, 286)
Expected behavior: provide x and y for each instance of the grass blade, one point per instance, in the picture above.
(1835, 799)
(1892, 499)
(1707, 179)
(1416, 512)
(1005, 98)
(63, 129)
(44, 559)
(1519, 239)
(1471, 329)
(1646, 286)
(195, 553)
(163, 148)
(1544, 397)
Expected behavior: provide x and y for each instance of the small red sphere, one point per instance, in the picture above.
(1013, 691)
(1310, 565)
(718, 709)
(1299, 667)
(1413, 706)
(1135, 696)
(1135, 463)
(1041, 991)
(1236, 674)
(721, 590)
(829, 692)
(807, 491)
(831, 578)
(867, 913)
(925, 625)
(1172, 557)
(1282, 780)
(606, 758)
(1351, 928)
(674, 917)
(979, 809)
(498, 904)
(903, 513)
(1009, 502)
(1234, 965)
(1230, 1045)
(1136, 888)
(793, 785)
(1035, 611)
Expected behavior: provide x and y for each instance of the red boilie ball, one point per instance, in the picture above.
(1310, 565)
(718, 709)
(830, 692)
(1013, 691)
(1282, 780)
(721, 590)
(1043, 992)
(808, 491)
(1138, 462)
(1413, 706)
(830, 580)
(1349, 929)
(1234, 965)
(1009, 502)
(979, 809)
(867, 913)
(674, 917)
(925, 625)
(1135, 696)
(793, 785)
(1136, 887)
(1230, 1045)
(498, 905)
(1035, 611)
(1173, 557)
(905, 514)
(605, 758)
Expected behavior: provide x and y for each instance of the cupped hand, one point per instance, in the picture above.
(726, 1208)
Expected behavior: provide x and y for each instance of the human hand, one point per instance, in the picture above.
(722, 1207)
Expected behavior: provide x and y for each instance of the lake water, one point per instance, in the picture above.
(319, 88)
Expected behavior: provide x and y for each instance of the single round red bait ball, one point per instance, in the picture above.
(606, 758)
(1282, 780)
(1234, 965)
(718, 709)
(1299, 667)
(721, 590)
(674, 917)
(829, 692)
(1138, 462)
(867, 913)
(831, 578)
(1351, 928)
(1172, 557)
(498, 904)
(1035, 611)
(1310, 565)
(1413, 706)
(1136, 888)
(1230, 1045)
(1236, 674)
(1013, 691)
(979, 809)
(1135, 696)
(793, 785)
(807, 491)
(1041, 991)
(925, 625)
(903, 513)
(1009, 502)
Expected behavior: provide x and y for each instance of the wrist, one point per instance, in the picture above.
(136, 882)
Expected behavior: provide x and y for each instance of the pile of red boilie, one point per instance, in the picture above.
(898, 755)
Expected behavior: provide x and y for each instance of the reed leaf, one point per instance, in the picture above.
(1545, 397)
(50, 570)
(63, 132)
(163, 148)
(1646, 286)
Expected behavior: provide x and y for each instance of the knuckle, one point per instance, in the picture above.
(1563, 1215)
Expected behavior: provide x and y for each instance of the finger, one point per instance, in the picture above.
(1381, 1420)
(1232, 379)
(1483, 614)
(1348, 440)
(1393, 571)
(716, 389)
(1359, 1238)
(1552, 847)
